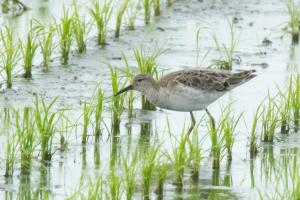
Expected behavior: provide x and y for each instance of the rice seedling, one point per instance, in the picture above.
(194, 154)
(115, 192)
(217, 142)
(226, 52)
(45, 122)
(156, 5)
(285, 108)
(130, 168)
(148, 163)
(169, 2)
(120, 14)
(64, 30)
(147, 64)
(80, 29)
(65, 129)
(132, 14)
(26, 133)
(228, 126)
(46, 45)
(101, 15)
(162, 169)
(87, 113)
(95, 189)
(147, 10)
(11, 153)
(293, 24)
(28, 49)
(98, 113)
(9, 55)
(117, 101)
(97, 160)
(254, 132)
(295, 102)
(178, 156)
(270, 120)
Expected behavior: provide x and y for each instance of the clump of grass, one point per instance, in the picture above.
(98, 113)
(25, 131)
(156, 5)
(148, 164)
(226, 52)
(132, 14)
(115, 192)
(228, 126)
(9, 54)
(65, 128)
(295, 102)
(64, 29)
(80, 29)
(285, 108)
(11, 154)
(101, 15)
(28, 50)
(269, 120)
(162, 169)
(147, 64)
(216, 143)
(294, 25)
(254, 132)
(147, 10)
(46, 45)
(194, 154)
(87, 113)
(45, 122)
(117, 101)
(120, 14)
(130, 168)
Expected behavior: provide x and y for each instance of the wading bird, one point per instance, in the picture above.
(188, 90)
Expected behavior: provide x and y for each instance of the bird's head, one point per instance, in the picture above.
(141, 83)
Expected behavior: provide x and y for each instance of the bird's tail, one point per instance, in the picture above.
(241, 77)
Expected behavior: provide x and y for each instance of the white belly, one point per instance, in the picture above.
(183, 98)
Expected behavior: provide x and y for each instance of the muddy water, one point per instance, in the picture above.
(175, 31)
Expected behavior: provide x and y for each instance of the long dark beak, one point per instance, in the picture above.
(129, 87)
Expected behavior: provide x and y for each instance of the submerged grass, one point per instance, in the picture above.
(132, 14)
(101, 14)
(26, 134)
(147, 10)
(130, 169)
(148, 163)
(28, 49)
(117, 107)
(87, 113)
(270, 120)
(64, 29)
(45, 122)
(228, 126)
(80, 29)
(11, 155)
(98, 113)
(156, 5)
(120, 14)
(9, 54)
(46, 44)
(162, 169)
(226, 52)
(115, 192)
(293, 24)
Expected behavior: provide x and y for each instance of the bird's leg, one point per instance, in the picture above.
(193, 123)
(212, 120)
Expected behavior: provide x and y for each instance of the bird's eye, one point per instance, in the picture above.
(140, 80)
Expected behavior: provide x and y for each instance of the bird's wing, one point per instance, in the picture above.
(205, 79)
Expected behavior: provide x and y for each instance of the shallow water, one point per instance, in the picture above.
(175, 30)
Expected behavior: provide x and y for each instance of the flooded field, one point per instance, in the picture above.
(65, 135)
